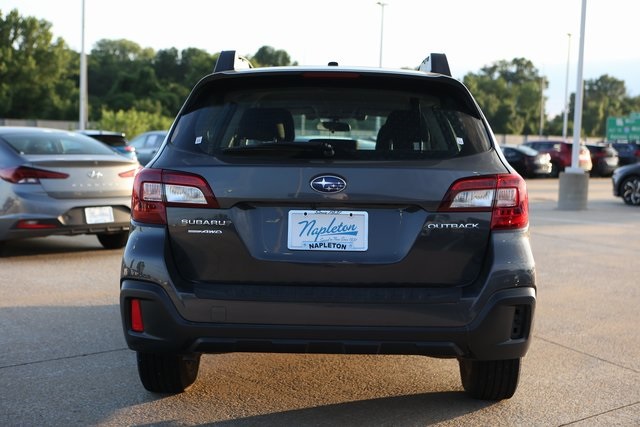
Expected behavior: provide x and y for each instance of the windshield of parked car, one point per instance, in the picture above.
(327, 122)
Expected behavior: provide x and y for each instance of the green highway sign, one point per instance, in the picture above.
(624, 128)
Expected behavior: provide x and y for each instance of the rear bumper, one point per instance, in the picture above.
(500, 330)
(43, 216)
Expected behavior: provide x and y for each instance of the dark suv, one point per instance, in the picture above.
(329, 210)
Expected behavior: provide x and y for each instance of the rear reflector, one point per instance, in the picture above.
(36, 224)
(136, 316)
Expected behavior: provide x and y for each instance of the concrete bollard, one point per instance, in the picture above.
(572, 194)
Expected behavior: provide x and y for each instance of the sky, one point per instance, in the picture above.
(473, 33)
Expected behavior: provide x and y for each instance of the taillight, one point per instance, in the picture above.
(155, 189)
(503, 195)
(128, 174)
(27, 175)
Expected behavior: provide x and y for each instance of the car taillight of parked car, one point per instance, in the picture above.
(155, 189)
(505, 195)
(28, 175)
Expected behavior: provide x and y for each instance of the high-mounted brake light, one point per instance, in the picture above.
(330, 75)
(27, 175)
(503, 195)
(155, 189)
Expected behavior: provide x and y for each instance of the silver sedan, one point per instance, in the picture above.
(57, 182)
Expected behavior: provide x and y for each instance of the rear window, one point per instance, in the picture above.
(113, 140)
(341, 121)
(55, 143)
(625, 146)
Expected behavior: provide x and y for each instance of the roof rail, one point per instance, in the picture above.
(230, 61)
(436, 63)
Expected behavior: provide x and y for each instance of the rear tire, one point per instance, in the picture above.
(167, 373)
(630, 190)
(490, 379)
(113, 240)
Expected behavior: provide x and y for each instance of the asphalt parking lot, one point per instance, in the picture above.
(63, 359)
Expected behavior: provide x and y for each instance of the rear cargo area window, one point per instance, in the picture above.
(329, 123)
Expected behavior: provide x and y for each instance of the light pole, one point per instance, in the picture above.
(382, 5)
(565, 123)
(541, 106)
(83, 79)
(574, 182)
(577, 115)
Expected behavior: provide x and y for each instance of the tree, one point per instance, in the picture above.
(177, 74)
(267, 56)
(510, 94)
(120, 73)
(36, 78)
(603, 97)
(132, 122)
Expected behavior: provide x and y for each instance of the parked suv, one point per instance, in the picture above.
(561, 155)
(329, 210)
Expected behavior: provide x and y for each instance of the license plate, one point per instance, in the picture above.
(327, 230)
(99, 215)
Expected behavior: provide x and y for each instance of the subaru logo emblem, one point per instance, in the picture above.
(328, 184)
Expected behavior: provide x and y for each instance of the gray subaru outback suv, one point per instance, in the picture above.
(329, 210)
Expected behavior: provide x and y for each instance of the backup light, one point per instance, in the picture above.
(182, 193)
(473, 199)
(152, 192)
